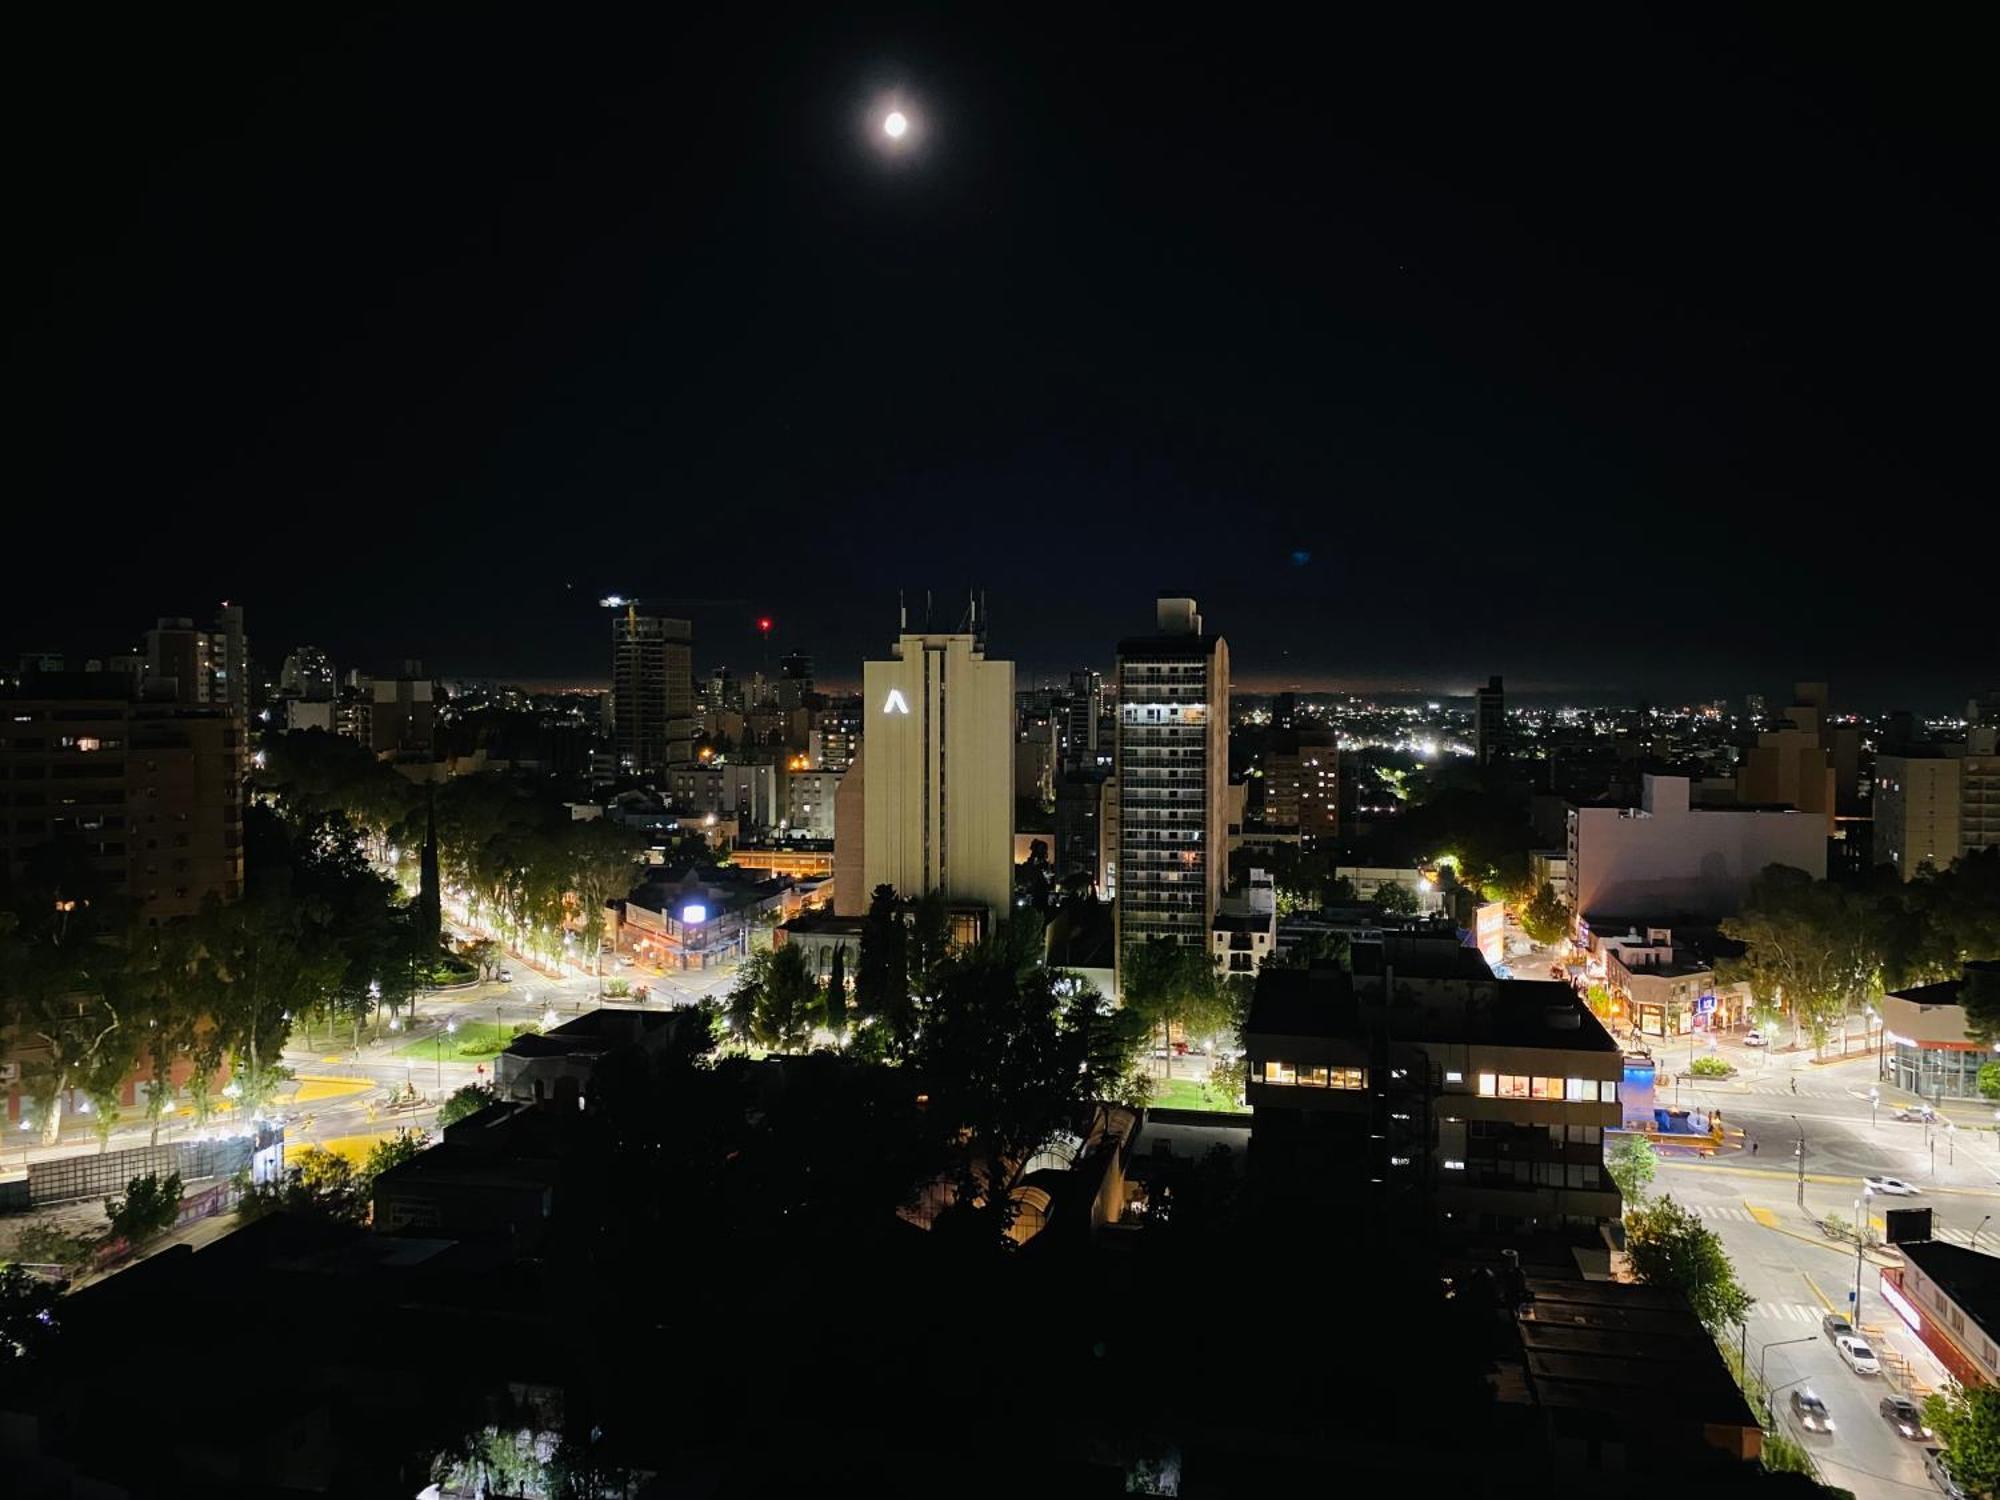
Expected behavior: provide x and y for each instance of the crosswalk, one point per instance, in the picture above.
(1806, 1314)
(1732, 1213)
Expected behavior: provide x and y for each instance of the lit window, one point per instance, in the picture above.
(1453, 1165)
(1607, 1091)
(1312, 1078)
(1280, 1072)
(1514, 1086)
(1454, 1077)
(1350, 1078)
(1546, 1088)
(1488, 1085)
(1580, 1090)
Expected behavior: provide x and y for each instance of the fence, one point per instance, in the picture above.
(69, 1179)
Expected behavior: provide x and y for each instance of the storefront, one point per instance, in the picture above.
(1925, 1048)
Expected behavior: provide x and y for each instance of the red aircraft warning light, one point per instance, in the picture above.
(764, 624)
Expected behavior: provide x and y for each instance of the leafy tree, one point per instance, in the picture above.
(319, 1184)
(1168, 984)
(149, 1207)
(28, 1321)
(390, 1151)
(834, 1003)
(1546, 919)
(465, 1102)
(46, 1243)
(1315, 950)
(483, 954)
(1967, 1423)
(930, 943)
(1669, 1246)
(882, 978)
(1394, 896)
(1632, 1161)
(786, 1001)
(1813, 943)
(1979, 993)
(746, 996)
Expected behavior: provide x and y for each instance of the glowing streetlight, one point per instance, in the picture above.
(896, 125)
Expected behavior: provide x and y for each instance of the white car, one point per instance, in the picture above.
(1895, 1187)
(506, 975)
(624, 960)
(1860, 1358)
(1755, 1038)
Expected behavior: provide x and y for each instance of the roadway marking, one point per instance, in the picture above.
(1786, 1312)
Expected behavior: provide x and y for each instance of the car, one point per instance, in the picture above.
(1810, 1411)
(1895, 1187)
(625, 960)
(1755, 1038)
(506, 975)
(1833, 1325)
(1901, 1413)
(1934, 1465)
(1860, 1358)
(1916, 1114)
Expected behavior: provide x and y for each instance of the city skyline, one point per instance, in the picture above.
(1393, 367)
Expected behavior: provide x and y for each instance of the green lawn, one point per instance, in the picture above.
(1185, 1093)
(482, 1038)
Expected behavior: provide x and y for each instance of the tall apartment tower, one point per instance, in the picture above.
(1082, 713)
(938, 798)
(652, 690)
(1172, 779)
(1490, 728)
(308, 675)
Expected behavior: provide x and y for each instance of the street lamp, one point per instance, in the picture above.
(451, 1029)
(1973, 1243)
(1860, 1238)
(1950, 1145)
(1874, 1108)
(1765, 1350)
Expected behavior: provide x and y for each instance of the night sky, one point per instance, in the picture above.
(1618, 357)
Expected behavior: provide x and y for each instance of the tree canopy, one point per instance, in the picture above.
(1669, 1246)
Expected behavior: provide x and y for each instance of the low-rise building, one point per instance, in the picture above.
(698, 918)
(556, 1065)
(1245, 930)
(1950, 1298)
(1669, 988)
(810, 797)
(1925, 1046)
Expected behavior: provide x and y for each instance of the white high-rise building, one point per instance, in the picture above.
(938, 794)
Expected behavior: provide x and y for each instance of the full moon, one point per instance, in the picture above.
(896, 124)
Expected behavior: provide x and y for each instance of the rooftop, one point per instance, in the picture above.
(1493, 1012)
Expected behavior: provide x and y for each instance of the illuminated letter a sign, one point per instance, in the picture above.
(895, 705)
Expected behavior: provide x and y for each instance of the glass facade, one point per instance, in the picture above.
(1938, 1072)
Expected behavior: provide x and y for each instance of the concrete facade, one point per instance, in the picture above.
(938, 801)
(1666, 858)
(1916, 812)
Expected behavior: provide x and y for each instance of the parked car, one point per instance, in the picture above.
(624, 960)
(1755, 1038)
(1895, 1187)
(1934, 1466)
(1810, 1411)
(1833, 1325)
(1860, 1358)
(506, 975)
(1901, 1413)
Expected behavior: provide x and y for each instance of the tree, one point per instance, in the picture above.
(786, 1000)
(1546, 919)
(1394, 896)
(1168, 984)
(390, 1151)
(1979, 993)
(465, 1102)
(930, 944)
(28, 1321)
(1989, 1080)
(1813, 944)
(1317, 949)
(1670, 1247)
(834, 1004)
(746, 996)
(1967, 1424)
(1632, 1161)
(319, 1184)
(882, 979)
(149, 1207)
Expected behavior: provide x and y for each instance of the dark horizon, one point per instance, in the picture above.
(1641, 359)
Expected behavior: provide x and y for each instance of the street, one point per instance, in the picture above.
(1750, 1198)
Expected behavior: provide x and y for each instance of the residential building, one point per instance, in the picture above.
(1368, 881)
(1665, 858)
(939, 792)
(306, 713)
(402, 715)
(1246, 928)
(835, 737)
(307, 674)
(1109, 844)
(810, 803)
(748, 792)
(1421, 1084)
(1490, 723)
(1302, 783)
(1916, 811)
(1793, 766)
(850, 838)
(1081, 722)
(1173, 779)
(150, 793)
(652, 690)
(1668, 988)
(1078, 822)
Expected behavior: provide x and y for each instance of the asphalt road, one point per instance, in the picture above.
(1797, 1274)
